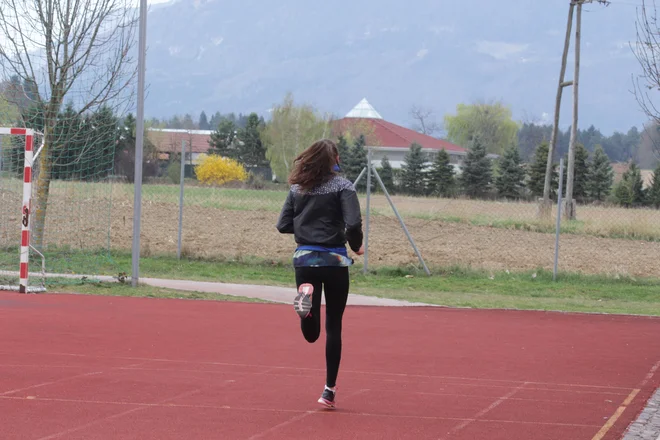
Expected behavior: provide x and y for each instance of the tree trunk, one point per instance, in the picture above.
(43, 191)
(545, 209)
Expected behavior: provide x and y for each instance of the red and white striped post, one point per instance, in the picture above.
(27, 209)
(27, 201)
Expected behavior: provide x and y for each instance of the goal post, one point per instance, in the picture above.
(29, 172)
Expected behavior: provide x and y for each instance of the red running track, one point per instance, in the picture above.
(92, 368)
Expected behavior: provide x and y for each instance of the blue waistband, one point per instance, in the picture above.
(336, 250)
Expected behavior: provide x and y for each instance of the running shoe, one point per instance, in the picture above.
(303, 302)
(327, 399)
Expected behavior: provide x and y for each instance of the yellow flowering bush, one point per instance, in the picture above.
(218, 170)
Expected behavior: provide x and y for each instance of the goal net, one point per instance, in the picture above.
(17, 170)
(55, 202)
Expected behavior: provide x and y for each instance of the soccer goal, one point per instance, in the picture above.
(18, 157)
(57, 210)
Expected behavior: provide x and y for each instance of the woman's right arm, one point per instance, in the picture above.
(350, 206)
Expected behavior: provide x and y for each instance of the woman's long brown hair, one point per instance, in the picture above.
(314, 166)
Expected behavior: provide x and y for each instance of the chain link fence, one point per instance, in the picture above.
(237, 222)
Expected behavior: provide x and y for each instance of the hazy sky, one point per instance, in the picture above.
(438, 54)
(435, 53)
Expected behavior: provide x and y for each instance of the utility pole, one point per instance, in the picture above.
(545, 208)
(570, 203)
(569, 212)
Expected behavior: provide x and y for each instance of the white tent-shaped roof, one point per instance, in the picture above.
(364, 110)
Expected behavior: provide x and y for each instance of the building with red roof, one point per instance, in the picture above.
(383, 138)
(168, 141)
(388, 139)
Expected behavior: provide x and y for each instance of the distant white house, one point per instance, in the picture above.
(386, 138)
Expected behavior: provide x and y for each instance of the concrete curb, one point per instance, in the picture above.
(275, 294)
(647, 425)
(283, 295)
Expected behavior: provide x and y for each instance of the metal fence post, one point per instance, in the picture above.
(183, 176)
(401, 222)
(558, 227)
(357, 179)
(366, 229)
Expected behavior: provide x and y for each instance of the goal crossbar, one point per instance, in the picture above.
(26, 211)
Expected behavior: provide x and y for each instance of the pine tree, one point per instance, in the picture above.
(413, 171)
(477, 170)
(601, 175)
(125, 152)
(215, 121)
(102, 130)
(629, 192)
(387, 174)
(580, 174)
(252, 151)
(536, 180)
(357, 162)
(188, 123)
(204, 122)
(70, 133)
(442, 181)
(639, 194)
(654, 189)
(175, 122)
(223, 140)
(510, 181)
(344, 153)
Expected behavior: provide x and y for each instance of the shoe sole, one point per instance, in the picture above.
(327, 403)
(302, 304)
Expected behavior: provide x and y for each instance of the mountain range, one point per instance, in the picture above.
(228, 56)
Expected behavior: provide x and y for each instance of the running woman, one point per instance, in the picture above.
(322, 211)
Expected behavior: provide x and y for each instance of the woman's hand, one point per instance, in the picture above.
(360, 251)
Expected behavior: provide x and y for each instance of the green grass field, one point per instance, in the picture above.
(144, 291)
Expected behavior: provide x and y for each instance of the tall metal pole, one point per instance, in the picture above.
(183, 176)
(558, 228)
(366, 230)
(139, 143)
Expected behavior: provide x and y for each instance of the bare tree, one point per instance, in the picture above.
(78, 50)
(292, 128)
(425, 122)
(647, 52)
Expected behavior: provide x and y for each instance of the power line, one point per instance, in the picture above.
(624, 3)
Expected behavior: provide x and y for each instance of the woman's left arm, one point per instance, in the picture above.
(285, 222)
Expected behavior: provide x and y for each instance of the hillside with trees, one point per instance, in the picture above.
(516, 172)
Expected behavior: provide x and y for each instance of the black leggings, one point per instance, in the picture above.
(335, 283)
